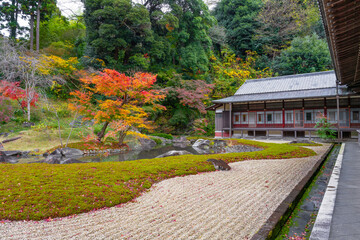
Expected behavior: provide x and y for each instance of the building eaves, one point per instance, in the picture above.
(286, 95)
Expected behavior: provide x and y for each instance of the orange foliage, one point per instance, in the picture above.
(122, 100)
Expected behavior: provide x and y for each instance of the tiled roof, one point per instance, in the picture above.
(289, 83)
(309, 85)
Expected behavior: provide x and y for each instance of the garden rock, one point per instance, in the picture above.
(56, 152)
(147, 143)
(201, 143)
(72, 152)
(12, 153)
(181, 139)
(2, 157)
(53, 159)
(201, 150)
(28, 124)
(67, 152)
(219, 143)
(174, 153)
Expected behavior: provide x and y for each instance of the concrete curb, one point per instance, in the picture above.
(321, 229)
(273, 225)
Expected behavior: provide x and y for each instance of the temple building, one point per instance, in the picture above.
(287, 106)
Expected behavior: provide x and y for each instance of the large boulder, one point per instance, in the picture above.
(53, 159)
(139, 144)
(201, 150)
(11, 153)
(219, 143)
(174, 153)
(67, 152)
(72, 152)
(147, 143)
(201, 143)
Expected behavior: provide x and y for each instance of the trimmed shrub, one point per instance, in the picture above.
(163, 135)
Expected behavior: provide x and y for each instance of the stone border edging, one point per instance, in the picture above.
(273, 225)
(321, 229)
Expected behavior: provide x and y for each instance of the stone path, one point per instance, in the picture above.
(346, 217)
(216, 205)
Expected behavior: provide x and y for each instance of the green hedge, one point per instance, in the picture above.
(163, 135)
(40, 191)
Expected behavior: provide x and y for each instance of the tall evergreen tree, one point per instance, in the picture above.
(181, 30)
(239, 19)
(9, 13)
(117, 30)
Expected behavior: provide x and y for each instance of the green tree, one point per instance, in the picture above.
(62, 37)
(239, 19)
(305, 54)
(283, 20)
(9, 16)
(181, 30)
(116, 30)
(38, 11)
(280, 22)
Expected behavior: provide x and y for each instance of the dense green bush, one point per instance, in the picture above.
(157, 140)
(39, 191)
(163, 135)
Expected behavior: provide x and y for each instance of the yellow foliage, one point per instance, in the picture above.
(53, 65)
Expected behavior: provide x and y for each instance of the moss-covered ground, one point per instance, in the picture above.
(41, 191)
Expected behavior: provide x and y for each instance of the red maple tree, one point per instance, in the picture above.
(114, 99)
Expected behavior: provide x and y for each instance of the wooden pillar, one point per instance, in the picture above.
(325, 108)
(223, 118)
(283, 113)
(242, 133)
(295, 134)
(349, 113)
(267, 133)
(310, 135)
(230, 130)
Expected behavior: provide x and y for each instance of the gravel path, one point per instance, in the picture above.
(216, 205)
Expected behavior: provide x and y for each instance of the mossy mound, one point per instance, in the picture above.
(40, 191)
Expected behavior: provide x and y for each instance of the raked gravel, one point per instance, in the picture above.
(217, 205)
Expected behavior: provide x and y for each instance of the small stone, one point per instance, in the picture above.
(309, 206)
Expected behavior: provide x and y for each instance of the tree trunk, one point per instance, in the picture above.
(38, 26)
(13, 25)
(101, 134)
(122, 136)
(28, 110)
(32, 20)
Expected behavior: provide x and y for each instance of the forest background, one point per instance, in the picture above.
(197, 55)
